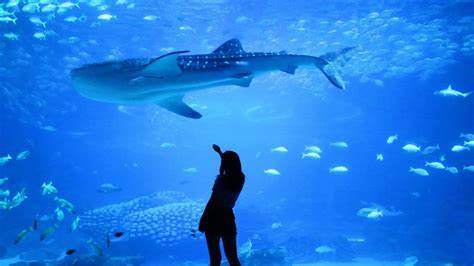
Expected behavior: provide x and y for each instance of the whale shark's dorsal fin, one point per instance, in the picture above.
(163, 66)
(231, 46)
(176, 105)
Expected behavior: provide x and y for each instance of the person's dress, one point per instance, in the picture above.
(218, 217)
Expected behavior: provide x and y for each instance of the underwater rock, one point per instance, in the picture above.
(164, 217)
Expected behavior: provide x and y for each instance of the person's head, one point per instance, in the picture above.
(231, 169)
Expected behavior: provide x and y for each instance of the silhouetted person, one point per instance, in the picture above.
(218, 220)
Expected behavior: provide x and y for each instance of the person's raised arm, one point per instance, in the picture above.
(217, 149)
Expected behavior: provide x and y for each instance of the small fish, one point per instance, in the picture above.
(430, 149)
(392, 139)
(22, 235)
(339, 144)
(3, 180)
(71, 19)
(4, 204)
(167, 145)
(315, 149)
(469, 168)
(65, 204)
(311, 155)
(411, 148)
(469, 143)
(75, 224)
(324, 249)
(276, 225)
(452, 170)
(38, 22)
(279, 149)
(39, 35)
(47, 232)
(150, 18)
(467, 136)
(379, 157)
(59, 214)
(68, 5)
(435, 165)
(106, 17)
(48, 8)
(375, 214)
(11, 36)
(459, 148)
(8, 20)
(70, 252)
(48, 188)
(355, 239)
(31, 8)
(5, 159)
(4, 193)
(18, 198)
(339, 169)
(23, 155)
(451, 92)
(118, 234)
(190, 170)
(418, 171)
(271, 171)
(108, 188)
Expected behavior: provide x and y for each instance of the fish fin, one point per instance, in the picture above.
(289, 69)
(243, 81)
(176, 105)
(326, 63)
(466, 94)
(163, 66)
(231, 46)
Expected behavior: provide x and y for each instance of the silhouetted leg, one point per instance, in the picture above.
(214, 249)
(230, 249)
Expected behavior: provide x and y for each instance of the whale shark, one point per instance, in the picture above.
(164, 80)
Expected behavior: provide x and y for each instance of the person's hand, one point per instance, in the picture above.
(217, 148)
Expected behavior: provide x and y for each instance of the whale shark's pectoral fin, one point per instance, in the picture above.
(163, 66)
(176, 105)
(242, 79)
(289, 69)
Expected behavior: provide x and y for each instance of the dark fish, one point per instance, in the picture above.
(48, 231)
(193, 230)
(118, 234)
(70, 251)
(22, 235)
(35, 224)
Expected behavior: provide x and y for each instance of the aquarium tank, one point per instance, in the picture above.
(353, 120)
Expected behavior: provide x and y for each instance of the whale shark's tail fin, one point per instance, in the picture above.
(330, 62)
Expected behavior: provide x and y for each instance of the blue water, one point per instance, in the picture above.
(405, 52)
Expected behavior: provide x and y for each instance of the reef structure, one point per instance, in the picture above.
(166, 217)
